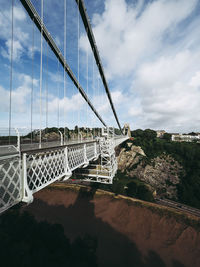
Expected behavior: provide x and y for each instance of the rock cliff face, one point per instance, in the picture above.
(161, 173)
(129, 232)
(127, 159)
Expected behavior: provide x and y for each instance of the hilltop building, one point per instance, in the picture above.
(160, 133)
(185, 137)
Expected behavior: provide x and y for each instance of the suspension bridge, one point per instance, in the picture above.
(31, 160)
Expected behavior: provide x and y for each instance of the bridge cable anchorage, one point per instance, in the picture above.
(41, 27)
(11, 67)
(92, 41)
(64, 76)
(32, 87)
(41, 58)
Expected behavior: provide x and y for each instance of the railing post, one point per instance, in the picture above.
(18, 139)
(61, 138)
(85, 153)
(27, 195)
(68, 172)
(95, 149)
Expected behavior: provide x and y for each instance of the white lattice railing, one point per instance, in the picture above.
(10, 182)
(20, 177)
(43, 168)
(76, 156)
(90, 151)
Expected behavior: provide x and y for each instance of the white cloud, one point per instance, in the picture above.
(17, 50)
(195, 81)
(170, 92)
(19, 13)
(124, 37)
(150, 52)
(20, 35)
(72, 104)
(20, 96)
(153, 48)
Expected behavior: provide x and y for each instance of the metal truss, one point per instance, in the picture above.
(105, 169)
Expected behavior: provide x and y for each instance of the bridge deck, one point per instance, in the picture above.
(28, 171)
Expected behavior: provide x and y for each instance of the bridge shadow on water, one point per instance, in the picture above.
(114, 248)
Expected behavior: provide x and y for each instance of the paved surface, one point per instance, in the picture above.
(7, 150)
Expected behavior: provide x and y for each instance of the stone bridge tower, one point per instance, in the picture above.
(126, 129)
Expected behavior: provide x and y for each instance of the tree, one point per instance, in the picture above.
(150, 134)
(167, 136)
(76, 129)
(131, 191)
(137, 133)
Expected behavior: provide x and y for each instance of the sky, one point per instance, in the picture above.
(150, 51)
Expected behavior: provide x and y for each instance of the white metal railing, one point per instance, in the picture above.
(10, 181)
(22, 174)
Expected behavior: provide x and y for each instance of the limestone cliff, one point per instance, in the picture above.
(161, 173)
(127, 159)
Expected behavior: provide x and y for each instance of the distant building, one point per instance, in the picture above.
(185, 137)
(160, 133)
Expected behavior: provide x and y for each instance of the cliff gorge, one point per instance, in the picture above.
(161, 172)
(130, 232)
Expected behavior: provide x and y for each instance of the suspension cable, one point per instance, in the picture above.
(87, 91)
(92, 41)
(58, 103)
(93, 86)
(32, 88)
(98, 94)
(33, 14)
(41, 51)
(78, 65)
(11, 66)
(47, 91)
(64, 75)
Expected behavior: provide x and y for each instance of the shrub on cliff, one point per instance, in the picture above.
(139, 190)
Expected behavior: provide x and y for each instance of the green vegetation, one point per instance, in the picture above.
(139, 190)
(187, 154)
(127, 186)
(26, 242)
